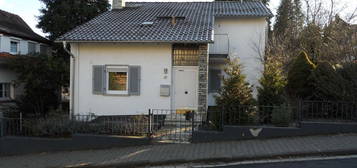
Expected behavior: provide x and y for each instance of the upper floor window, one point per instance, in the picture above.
(43, 49)
(31, 47)
(4, 91)
(14, 47)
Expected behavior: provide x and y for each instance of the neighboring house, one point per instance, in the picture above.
(16, 37)
(162, 55)
(354, 40)
(347, 38)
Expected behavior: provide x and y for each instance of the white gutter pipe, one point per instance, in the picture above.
(71, 111)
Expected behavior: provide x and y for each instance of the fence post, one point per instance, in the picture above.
(193, 123)
(21, 123)
(300, 113)
(222, 118)
(149, 124)
(1, 125)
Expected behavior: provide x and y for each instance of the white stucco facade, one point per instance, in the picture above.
(246, 40)
(151, 57)
(246, 37)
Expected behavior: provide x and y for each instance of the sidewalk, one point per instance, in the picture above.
(180, 153)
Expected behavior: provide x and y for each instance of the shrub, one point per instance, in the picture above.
(272, 84)
(328, 84)
(49, 127)
(235, 91)
(43, 77)
(298, 85)
(348, 71)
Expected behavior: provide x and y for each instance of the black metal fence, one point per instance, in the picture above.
(160, 124)
(282, 116)
(63, 126)
(178, 125)
(329, 111)
(252, 115)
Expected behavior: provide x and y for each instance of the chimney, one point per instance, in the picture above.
(118, 4)
(173, 20)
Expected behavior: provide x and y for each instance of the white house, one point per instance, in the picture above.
(162, 55)
(16, 37)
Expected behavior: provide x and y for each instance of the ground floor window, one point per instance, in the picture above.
(4, 91)
(117, 79)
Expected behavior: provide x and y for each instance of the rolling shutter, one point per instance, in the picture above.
(99, 82)
(134, 80)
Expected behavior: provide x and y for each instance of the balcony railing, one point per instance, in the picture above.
(220, 45)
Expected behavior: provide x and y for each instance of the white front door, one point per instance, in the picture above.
(185, 84)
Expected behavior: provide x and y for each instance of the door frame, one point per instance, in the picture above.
(174, 68)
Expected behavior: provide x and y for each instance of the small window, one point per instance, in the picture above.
(185, 55)
(214, 80)
(43, 49)
(117, 79)
(147, 23)
(14, 47)
(31, 47)
(4, 91)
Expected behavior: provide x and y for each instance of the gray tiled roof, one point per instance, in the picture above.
(125, 25)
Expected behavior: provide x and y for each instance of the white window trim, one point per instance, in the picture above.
(18, 46)
(117, 68)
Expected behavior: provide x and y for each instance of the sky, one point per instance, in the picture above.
(28, 10)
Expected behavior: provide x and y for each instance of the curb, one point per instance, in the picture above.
(222, 159)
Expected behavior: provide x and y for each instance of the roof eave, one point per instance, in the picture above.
(133, 41)
(43, 40)
(243, 16)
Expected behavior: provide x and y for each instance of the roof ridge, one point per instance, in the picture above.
(3, 11)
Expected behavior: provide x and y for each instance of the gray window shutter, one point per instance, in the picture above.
(214, 83)
(134, 80)
(99, 81)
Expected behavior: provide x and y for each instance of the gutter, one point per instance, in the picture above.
(135, 41)
(73, 79)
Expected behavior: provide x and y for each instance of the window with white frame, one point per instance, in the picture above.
(117, 79)
(31, 47)
(4, 91)
(14, 47)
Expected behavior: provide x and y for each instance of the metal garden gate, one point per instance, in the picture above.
(172, 126)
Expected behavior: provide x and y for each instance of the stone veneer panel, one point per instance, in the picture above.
(203, 80)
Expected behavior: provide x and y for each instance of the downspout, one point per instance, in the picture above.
(71, 113)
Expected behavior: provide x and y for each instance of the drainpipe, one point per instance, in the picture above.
(71, 109)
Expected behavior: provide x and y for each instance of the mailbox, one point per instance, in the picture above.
(165, 90)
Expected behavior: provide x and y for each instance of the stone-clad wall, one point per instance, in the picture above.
(203, 80)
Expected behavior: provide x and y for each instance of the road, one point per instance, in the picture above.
(333, 163)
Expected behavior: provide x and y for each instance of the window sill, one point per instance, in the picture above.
(116, 94)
